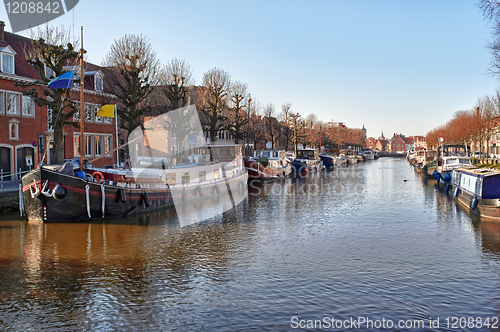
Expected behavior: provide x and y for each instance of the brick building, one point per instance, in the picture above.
(26, 129)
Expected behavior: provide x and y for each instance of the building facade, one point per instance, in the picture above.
(26, 132)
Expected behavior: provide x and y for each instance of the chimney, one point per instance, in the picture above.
(2, 30)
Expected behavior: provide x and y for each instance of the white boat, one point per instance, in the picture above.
(369, 155)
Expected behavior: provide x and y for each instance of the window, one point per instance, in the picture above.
(98, 83)
(97, 118)
(50, 120)
(28, 106)
(89, 113)
(170, 179)
(98, 145)
(49, 73)
(76, 145)
(12, 103)
(14, 130)
(76, 115)
(88, 145)
(2, 103)
(185, 177)
(108, 120)
(8, 64)
(202, 176)
(107, 144)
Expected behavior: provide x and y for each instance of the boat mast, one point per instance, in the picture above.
(82, 110)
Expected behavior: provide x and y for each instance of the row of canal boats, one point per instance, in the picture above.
(477, 189)
(63, 193)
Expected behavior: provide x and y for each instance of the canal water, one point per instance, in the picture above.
(371, 245)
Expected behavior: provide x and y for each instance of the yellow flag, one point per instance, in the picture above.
(107, 111)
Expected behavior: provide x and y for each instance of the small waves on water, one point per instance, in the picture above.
(355, 242)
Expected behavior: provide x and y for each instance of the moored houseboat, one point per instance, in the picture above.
(478, 189)
(307, 161)
(156, 179)
(447, 156)
(267, 165)
(450, 156)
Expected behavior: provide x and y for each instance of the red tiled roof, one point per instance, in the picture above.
(20, 44)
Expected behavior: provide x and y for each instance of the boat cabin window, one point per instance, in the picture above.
(275, 154)
(266, 154)
(229, 152)
(185, 177)
(202, 176)
(464, 161)
(170, 178)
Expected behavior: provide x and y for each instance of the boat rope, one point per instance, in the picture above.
(37, 190)
(87, 199)
(103, 199)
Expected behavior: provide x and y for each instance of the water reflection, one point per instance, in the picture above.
(369, 240)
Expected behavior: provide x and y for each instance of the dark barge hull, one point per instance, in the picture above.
(98, 201)
(256, 171)
(302, 168)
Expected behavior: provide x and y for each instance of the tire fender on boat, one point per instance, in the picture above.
(199, 190)
(473, 203)
(184, 196)
(216, 189)
(123, 198)
(455, 194)
(145, 197)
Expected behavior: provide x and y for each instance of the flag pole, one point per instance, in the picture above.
(116, 134)
(82, 109)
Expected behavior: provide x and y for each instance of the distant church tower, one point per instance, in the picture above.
(382, 135)
(364, 130)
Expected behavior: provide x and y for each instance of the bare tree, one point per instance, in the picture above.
(237, 118)
(176, 77)
(311, 130)
(286, 119)
(271, 128)
(255, 124)
(50, 53)
(134, 69)
(491, 12)
(216, 83)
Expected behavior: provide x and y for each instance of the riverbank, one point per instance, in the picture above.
(9, 196)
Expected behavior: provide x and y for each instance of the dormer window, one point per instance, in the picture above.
(7, 64)
(7, 58)
(49, 73)
(98, 83)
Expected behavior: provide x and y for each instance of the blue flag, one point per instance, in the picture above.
(64, 81)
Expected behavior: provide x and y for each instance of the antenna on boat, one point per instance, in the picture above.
(82, 137)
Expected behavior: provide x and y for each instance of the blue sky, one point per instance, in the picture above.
(397, 66)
